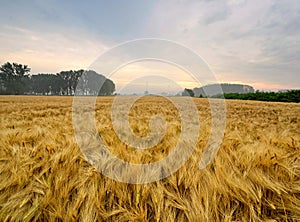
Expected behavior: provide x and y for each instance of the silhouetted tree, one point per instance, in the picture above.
(75, 75)
(188, 92)
(46, 84)
(65, 75)
(71, 79)
(285, 96)
(96, 84)
(13, 77)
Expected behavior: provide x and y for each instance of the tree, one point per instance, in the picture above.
(70, 79)
(65, 75)
(283, 96)
(188, 92)
(46, 84)
(75, 75)
(107, 88)
(13, 77)
(97, 84)
(57, 83)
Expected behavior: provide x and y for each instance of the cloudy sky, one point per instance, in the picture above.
(243, 41)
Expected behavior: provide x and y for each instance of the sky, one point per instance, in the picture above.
(242, 41)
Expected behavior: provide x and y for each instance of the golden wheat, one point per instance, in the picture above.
(255, 176)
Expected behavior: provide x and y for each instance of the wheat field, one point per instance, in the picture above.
(44, 176)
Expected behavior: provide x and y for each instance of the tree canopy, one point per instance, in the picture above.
(283, 96)
(188, 92)
(15, 80)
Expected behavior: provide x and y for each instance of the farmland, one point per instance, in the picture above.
(255, 175)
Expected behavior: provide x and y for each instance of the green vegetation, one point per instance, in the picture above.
(213, 89)
(13, 78)
(16, 80)
(188, 92)
(282, 96)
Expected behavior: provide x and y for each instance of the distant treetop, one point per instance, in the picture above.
(15, 80)
(213, 89)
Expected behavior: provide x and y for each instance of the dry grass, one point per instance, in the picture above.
(255, 176)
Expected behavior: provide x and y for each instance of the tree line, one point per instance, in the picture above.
(15, 79)
(281, 96)
(213, 89)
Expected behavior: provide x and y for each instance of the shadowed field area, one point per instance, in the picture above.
(44, 176)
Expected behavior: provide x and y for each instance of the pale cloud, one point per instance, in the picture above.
(247, 41)
(49, 52)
